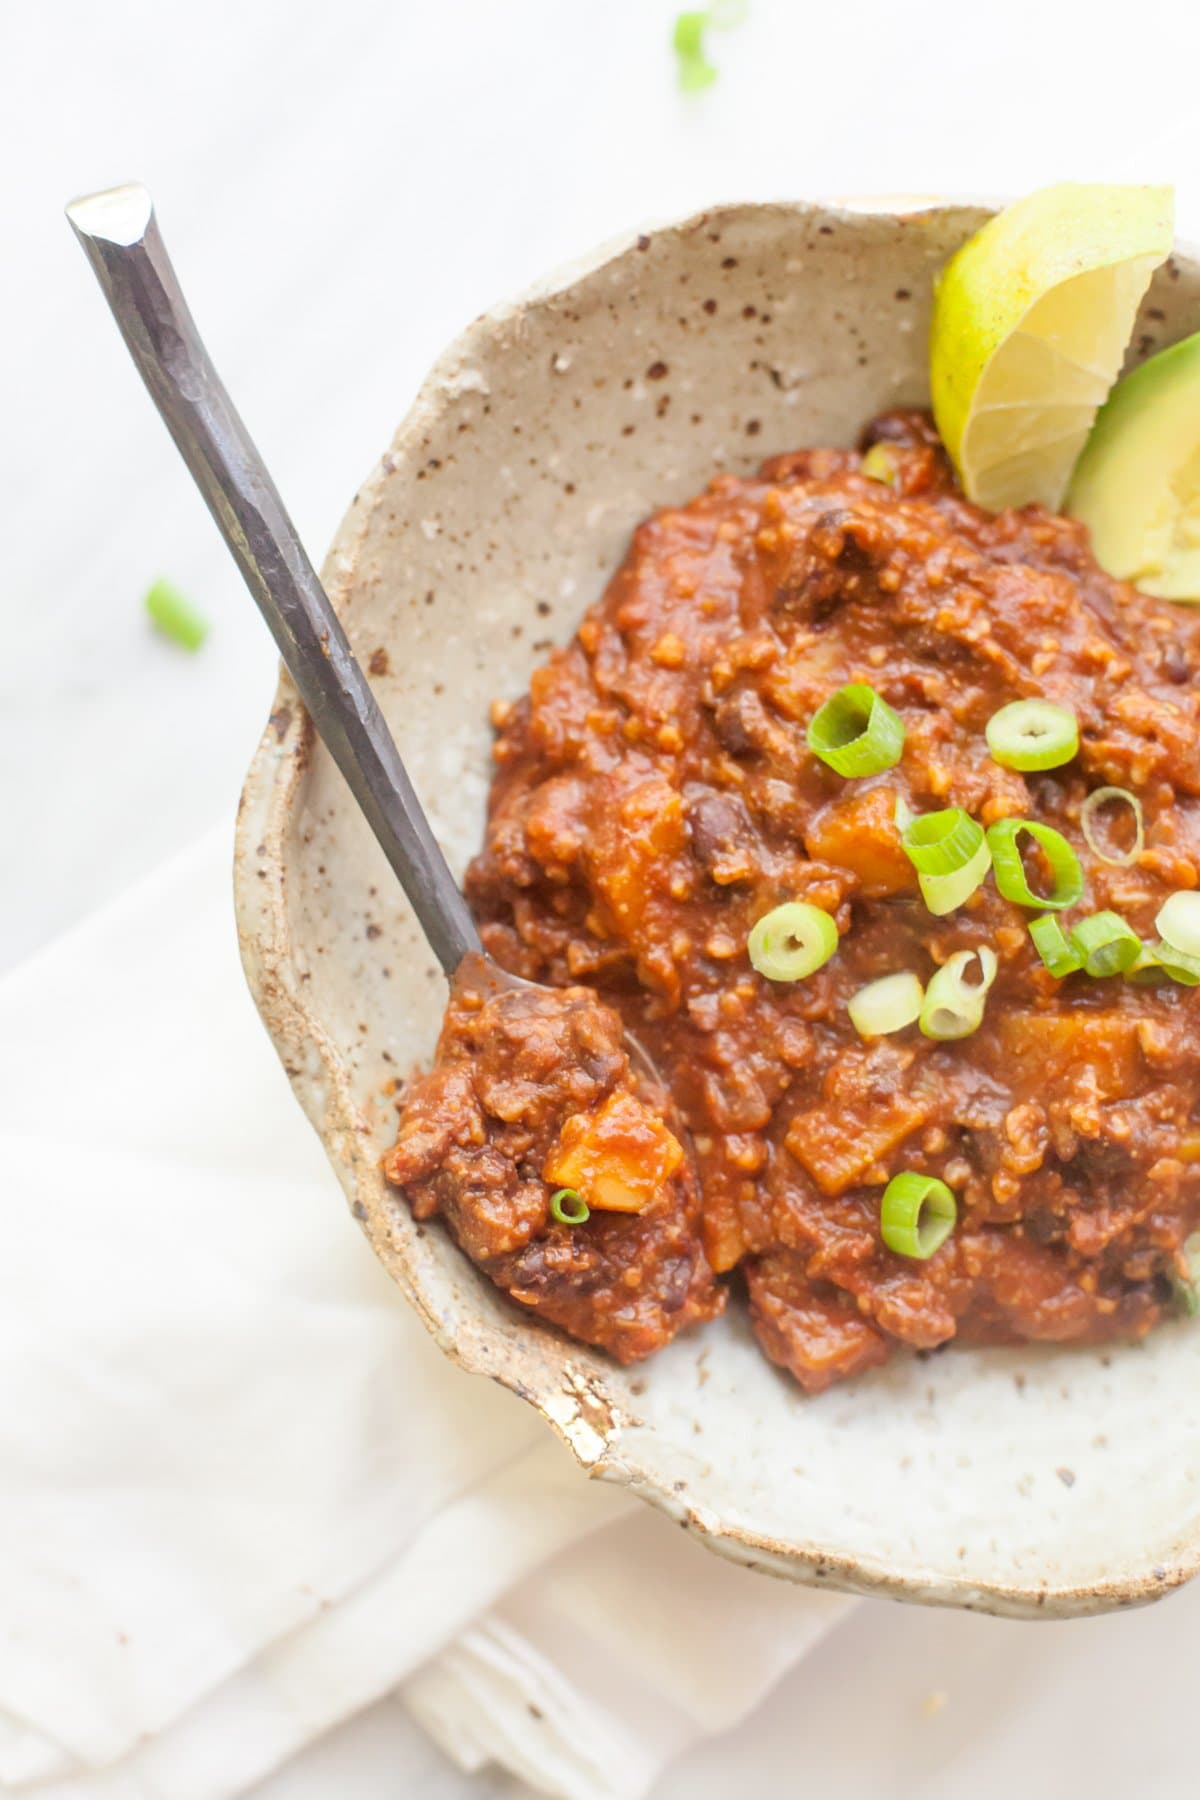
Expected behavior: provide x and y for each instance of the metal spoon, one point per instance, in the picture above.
(120, 236)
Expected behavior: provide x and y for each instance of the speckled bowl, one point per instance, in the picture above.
(1031, 1482)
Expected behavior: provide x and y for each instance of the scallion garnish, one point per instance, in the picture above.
(888, 1004)
(1178, 922)
(792, 941)
(856, 732)
(1175, 964)
(1105, 796)
(1010, 870)
(1053, 946)
(569, 1207)
(943, 893)
(695, 70)
(950, 854)
(1032, 734)
(953, 1005)
(938, 843)
(175, 616)
(1107, 944)
(917, 1214)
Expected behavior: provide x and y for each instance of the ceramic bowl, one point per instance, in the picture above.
(1029, 1482)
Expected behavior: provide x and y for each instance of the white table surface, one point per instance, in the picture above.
(343, 186)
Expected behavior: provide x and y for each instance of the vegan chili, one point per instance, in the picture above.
(657, 794)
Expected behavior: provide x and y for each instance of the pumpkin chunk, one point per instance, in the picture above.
(1061, 1044)
(860, 834)
(619, 1158)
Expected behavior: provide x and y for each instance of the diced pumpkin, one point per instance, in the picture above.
(860, 834)
(1055, 1047)
(619, 1158)
(635, 844)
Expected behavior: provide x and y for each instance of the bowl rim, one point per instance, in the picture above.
(588, 1425)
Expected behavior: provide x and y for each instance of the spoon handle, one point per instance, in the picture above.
(120, 235)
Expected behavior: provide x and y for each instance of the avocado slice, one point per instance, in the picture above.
(1137, 484)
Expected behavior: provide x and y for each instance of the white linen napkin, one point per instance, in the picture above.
(242, 1495)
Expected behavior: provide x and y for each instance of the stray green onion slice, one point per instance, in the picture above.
(879, 464)
(953, 1005)
(888, 1004)
(917, 1214)
(1053, 946)
(1032, 734)
(1107, 944)
(792, 941)
(1010, 871)
(569, 1207)
(688, 37)
(856, 732)
(950, 854)
(1103, 797)
(695, 70)
(1178, 922)
(175, 616)
(1187, 1289)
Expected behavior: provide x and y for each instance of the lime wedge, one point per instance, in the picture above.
(1030, 324)
(1137, 484)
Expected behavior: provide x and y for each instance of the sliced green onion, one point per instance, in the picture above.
(1107, 944)
(1032, 734)
(1178, 922)
(954, 1006)
(939, 843)
(1176, 964)
(1145, 969)
(695, 74)
(888, 1004)
(569, 1207)
(917, 1214)
(688, 35)
(695, 70)
(792, 941)
(175, 616)
(879, 464)
(856, 732)
(950, 854)
(903, 814)
(1187, 1288)
(1053, 947)
(1010, 871)
(942, 893)
(1093, 803)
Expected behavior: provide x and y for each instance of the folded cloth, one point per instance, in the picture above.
(241, 1493)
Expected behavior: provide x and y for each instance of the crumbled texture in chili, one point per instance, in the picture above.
(654, 796)
(518, 1074)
